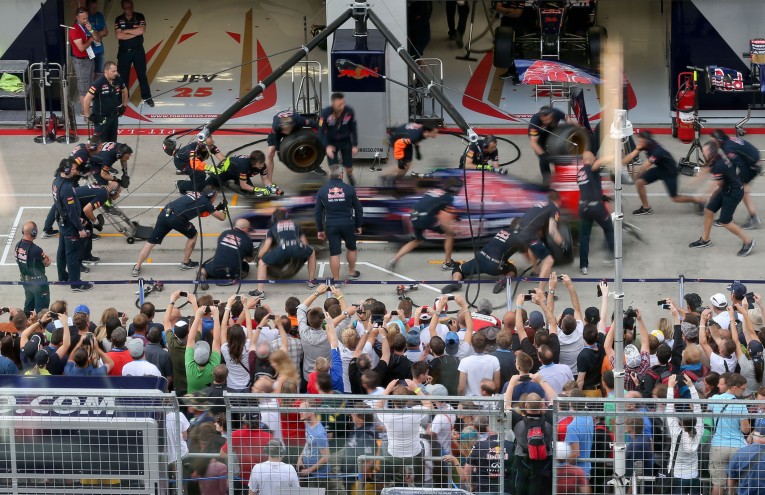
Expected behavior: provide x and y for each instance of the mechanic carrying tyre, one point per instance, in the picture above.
(405, 142)
(284, 124)
(591, 208)
(541, 125)
(284, 242)
(481, 155)
(493, 260)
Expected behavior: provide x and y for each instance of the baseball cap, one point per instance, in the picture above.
(452, 341)
(425, 317)
(756, 316)
(631, 356)
(201, 353)
(491, 333)
(738, 289)
(693, 300)
(181, 328)
(755, 350)
(41, 358)
(568, 312)
(32, 346)
(436, 390)
(81, 309)
(658, 334)
(135, 347)
(413, 337)
(591, 315)
(536, 320)
(719, 301)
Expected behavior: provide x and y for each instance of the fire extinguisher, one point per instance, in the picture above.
(686, 107)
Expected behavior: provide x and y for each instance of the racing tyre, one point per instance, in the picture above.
(561, 256)
(568, 140)
(596, 42)
(504, 38)
(301, 151)
(288, 270)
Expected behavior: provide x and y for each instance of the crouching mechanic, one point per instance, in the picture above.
(177, 215)
(746, 157)
(241, 169)
(492, 259)
(283, 243)
(725, 199)
(284, 124)
(189, 160)
(405, 143)
(535, 224)
(481, 155)
(232, 255)
(101, 164)
(434, 212)
(92, 198)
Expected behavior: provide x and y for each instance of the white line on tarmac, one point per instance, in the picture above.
(385, 270)
(11, 234)
(322, 265)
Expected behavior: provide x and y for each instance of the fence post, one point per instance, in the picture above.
(681, 283)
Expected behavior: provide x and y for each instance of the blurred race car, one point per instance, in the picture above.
(494, 201)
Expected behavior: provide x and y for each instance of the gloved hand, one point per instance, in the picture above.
(417, 152)
(99, 225)
(124, 182)
(214, 150)
(221, 206)
(121, 110)
(95, 119)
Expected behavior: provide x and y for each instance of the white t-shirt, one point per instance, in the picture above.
(268, 477)
(441, 331)
(571, 345)
(270, 417)
(476, 368)
(441, 427)
(717, 363)
(556, 375)
(346, 355)
(140, 368)
(173, 440)
(238, 377)
(723, 319)
(268, 335)
(403, 429)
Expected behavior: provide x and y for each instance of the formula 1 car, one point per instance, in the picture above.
(550, 27)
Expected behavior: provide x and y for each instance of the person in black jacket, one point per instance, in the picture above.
(339, 216)
(339, 134)
(70, 226)
(284, 124)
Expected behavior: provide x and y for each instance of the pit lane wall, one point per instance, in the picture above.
(189, 43)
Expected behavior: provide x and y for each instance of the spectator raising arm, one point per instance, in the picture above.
(167, 320)
(705, 317)
(603, 307)
(192, 338)
(336, 366)
(468, 319)
(574, 297)
(645, 344)
(108, 362)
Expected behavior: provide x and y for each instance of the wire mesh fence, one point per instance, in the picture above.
(87, 441)
(659, 446)
(366, 444)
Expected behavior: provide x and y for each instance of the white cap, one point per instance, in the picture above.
(719, 301)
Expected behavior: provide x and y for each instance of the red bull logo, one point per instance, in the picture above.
(358, 72)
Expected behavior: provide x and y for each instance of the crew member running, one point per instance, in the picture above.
(746, 157)
(339, 135)
(405, 142)
(591, 208)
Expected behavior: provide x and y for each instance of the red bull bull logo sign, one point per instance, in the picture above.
(359, 72)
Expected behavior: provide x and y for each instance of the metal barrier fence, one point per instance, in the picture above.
(363, 444)
(671, 446)
(87, 441)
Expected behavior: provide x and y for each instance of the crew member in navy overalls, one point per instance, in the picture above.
(81, 155)
(284, 243)
(189, 160)
(108, 97)
(339, 216)
(405, 142)
(591, 208)
(493, 259)
(92, 198)
(541, 125)
(32, 261)
(232, 256)
(101, 164)
(339, 135)
(725, 199)
(284, 124)
(129, 29)
(72, 232)
(481, 155)
(746, 157)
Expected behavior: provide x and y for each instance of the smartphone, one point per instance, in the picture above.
(450, 297)
(527, 297)
(216, 302)
(377, 320)
(5, 310)
(393, 313)
(238, 298)
(271, 317)
(51, 314)
(183, 293)
(120, 314)
(662, 302)
(532, 291)
(257, 304)
(402, 382)
(600, 292)
(207, 309)
(665, 306)
(560, 277)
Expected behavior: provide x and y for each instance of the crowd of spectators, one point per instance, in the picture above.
(412, 363)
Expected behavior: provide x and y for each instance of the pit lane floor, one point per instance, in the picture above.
(27, 171)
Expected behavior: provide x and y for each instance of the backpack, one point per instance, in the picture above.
(736, 369)
(538, 446)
